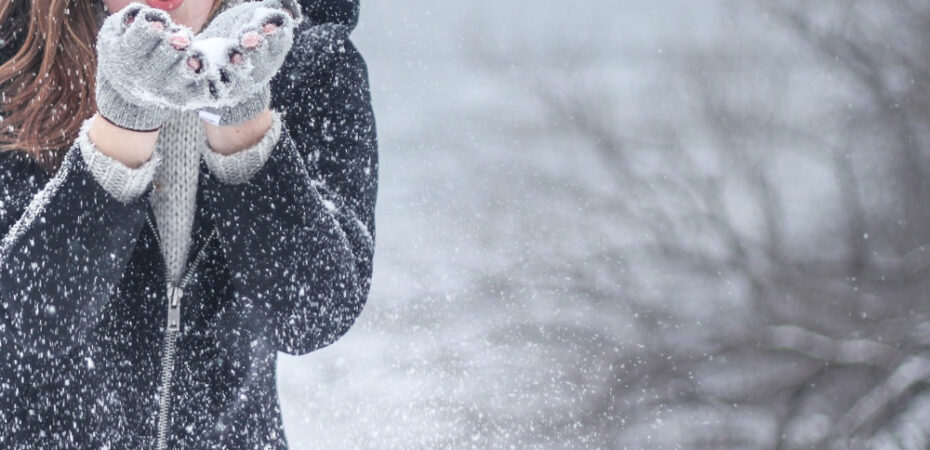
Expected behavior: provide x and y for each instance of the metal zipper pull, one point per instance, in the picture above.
(175, 292)
(174, 306)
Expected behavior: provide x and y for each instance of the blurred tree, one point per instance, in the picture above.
(770, 246)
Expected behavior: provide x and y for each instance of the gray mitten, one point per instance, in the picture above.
(244, 48)
(146, 68)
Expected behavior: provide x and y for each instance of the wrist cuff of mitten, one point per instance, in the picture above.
(128, 115)
(234, 115)
(123, 182)
(239, 167)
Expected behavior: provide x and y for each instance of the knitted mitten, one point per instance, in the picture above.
(244, 48)
(146, 68)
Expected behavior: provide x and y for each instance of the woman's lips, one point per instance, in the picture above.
(166, 5)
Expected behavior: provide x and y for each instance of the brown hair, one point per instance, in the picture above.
(47, 84)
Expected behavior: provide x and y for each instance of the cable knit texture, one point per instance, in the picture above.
(174, 168)
(175, 196)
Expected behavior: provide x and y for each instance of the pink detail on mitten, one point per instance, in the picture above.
(179, 42)
(193, 63)
(269, 28)
(251, 40)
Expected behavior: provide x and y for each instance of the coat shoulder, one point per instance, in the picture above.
(316, 48)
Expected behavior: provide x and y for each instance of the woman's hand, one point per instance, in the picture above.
(146, 68)
(245, 47)
(149, 68)
(230, 139)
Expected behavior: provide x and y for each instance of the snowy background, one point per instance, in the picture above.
(632, 224)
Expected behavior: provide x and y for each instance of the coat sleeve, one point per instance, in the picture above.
(66, 242)
(299, 234)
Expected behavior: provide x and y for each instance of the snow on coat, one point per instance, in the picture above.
(82, 281)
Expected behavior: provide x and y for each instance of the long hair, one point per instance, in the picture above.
(47, 72)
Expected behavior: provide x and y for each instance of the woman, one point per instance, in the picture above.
(184, 191)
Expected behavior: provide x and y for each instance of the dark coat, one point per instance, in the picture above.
(82, 281)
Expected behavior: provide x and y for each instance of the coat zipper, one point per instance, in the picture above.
(175, 291)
